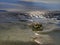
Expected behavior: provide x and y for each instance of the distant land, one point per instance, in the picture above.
(3, 11)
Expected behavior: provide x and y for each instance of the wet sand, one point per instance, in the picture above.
(20, 34)
(15, 34)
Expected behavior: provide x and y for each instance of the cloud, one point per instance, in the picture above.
(13, 4)
(45, 1)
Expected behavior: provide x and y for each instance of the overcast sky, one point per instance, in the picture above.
(45, 1)
(13, 4)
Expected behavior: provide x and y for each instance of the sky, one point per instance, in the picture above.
(45, 1)
(29, 4)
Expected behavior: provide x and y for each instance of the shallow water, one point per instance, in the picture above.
(21, 32)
